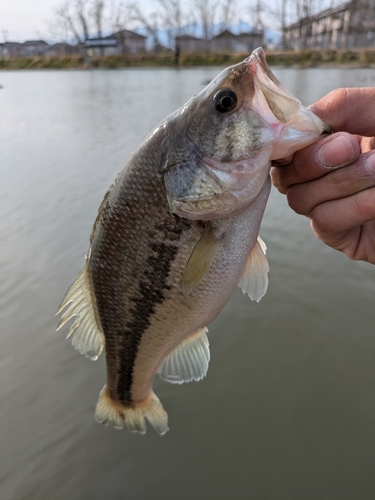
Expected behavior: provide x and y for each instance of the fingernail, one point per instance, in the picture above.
(336, 152)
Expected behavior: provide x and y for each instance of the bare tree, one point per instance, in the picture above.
(175, 17)
(151, 23)
(257, 10)
(305, 9)
(278, 10)
(72, 20)
(206, 12)
(97, 13)
(171, 18)
(171, 13)
(82, 13)
(228, 13)
(122, 15)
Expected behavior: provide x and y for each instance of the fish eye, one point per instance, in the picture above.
(225, 101)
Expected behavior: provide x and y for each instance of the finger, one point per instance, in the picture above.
(348, 225)
(317, 160)
(342, 215)
(357, 243)
(339, 183)
(348, 109)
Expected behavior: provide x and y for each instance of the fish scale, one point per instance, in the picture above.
(176, 233)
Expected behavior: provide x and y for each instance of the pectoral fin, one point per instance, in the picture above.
(189, 361)
(200, 260)
(254, 280)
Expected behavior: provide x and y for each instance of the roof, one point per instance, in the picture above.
(187, 37)
(228, 34)
(61, 44)
(127, 34)
(10, 44)
(35, 42)
(224, 34)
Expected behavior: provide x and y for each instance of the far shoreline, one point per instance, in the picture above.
(359, 58)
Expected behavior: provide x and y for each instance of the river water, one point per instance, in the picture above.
(287, 410)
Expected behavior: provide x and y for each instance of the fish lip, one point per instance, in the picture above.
(258, 54)
(257, 63)
(258, 59)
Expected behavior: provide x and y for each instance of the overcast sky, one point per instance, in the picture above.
(22, 20)
(25, 19)
(29, 19)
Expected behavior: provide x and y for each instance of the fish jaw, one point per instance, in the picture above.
(292, 125)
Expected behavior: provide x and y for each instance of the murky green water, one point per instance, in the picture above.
(287, 409)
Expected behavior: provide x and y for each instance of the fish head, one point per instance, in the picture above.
(226, 136)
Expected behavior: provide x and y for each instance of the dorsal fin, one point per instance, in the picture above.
(87, 336)
(189, 361)
(254, 280)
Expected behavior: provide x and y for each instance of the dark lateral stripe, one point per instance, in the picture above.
(151, 292)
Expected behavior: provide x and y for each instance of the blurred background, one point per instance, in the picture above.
(287, 408)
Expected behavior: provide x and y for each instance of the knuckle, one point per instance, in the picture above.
(277, 181)
(343, 182)
(296, 201)
(365, 203)
(339, 95)
(320, 221)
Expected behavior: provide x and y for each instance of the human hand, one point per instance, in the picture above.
(333, 181)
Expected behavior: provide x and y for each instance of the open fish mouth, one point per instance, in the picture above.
(282, 104)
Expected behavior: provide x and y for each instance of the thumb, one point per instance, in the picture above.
(348, 109)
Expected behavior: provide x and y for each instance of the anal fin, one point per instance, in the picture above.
(189, 361)
(254, 280)
(87, 336)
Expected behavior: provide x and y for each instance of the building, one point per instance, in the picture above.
(107, 46)
(347, 26)
(33, 48)
(226, 41)
(30, 48)
(62, 50)
(122, 42)
(129, 42)
(189, 44)
(10, 49)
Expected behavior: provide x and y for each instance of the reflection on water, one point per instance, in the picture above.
(287, 409)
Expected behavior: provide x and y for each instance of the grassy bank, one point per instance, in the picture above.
(303, 59)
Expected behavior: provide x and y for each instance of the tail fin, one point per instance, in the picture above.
(112, 412)
(88, 337)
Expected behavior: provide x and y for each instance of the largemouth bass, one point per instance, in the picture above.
(175, 234)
